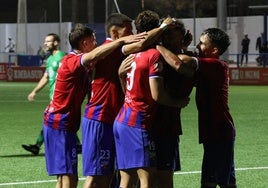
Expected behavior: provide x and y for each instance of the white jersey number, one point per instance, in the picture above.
(130, 76)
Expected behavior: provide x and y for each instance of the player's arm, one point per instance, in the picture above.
(122, 71)
(41, 84)
(151, 38)
(183, 64)
(89, 59)
(161, 96)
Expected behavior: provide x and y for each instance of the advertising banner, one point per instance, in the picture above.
(248, 76)
(3, 71)
(24, 74)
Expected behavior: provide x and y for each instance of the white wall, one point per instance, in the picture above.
(36, 34)
(236, 28)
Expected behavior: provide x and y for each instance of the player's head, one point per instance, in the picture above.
(146, 21)
(82, 38)
(52, 42)
(118, 25)
(172, 37)
(213, 42)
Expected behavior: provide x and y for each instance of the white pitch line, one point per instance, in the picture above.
(237, 169)
(31, 182)
(177, 173)
(27, 182)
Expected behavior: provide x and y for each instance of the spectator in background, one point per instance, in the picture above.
(259, 43)
(245, 44)
(10, 46)
(261, 46)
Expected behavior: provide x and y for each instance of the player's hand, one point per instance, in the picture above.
(167, 21)
(31, 96)
(125, 65)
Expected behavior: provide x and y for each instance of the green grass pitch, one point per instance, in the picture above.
(20, 123)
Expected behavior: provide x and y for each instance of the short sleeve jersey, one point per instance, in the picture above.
(214, 119)
(52, 65)
(107, 96)
(139, 106)
(64, 110)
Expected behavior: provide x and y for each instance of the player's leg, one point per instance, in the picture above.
(35, 148)
(218, 165)
(116, 179)
(226, 169)
(168, 159)
(128, 178)
(164, 178)
(146, 176)
(67, 181)
(40, 139)
(208, 165)
(93, 181)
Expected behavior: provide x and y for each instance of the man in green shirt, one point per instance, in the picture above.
(52, 43)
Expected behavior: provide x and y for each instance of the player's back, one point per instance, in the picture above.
(139, 105)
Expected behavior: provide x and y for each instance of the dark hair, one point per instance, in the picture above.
(178, 25)
(78, 32)
(146, 21)
(178, 29)
(55, 36)
(116, 19)
(219, 38)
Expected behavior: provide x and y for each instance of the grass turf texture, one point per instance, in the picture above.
(20, 123)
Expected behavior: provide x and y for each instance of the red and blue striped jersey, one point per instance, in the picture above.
(107, 96)
(139, 106)
(64, 110)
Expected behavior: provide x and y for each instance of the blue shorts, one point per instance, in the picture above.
(134, 148)
(98, 148)
(60, 151)
(167, 153)
(218, 164)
